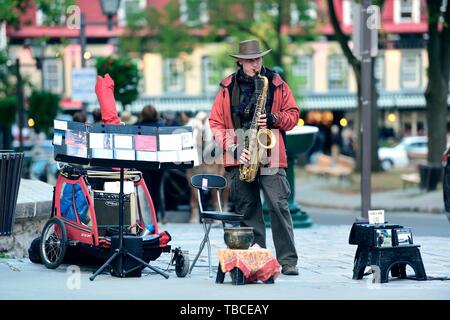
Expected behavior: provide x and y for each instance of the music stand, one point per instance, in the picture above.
(72, 144)
(121, 252)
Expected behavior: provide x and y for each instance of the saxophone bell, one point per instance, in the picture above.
(265, 138)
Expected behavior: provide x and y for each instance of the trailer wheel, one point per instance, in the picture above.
(181, 265)
(53, 243)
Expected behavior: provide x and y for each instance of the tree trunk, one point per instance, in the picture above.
(437, 87)
(356, 66)
(376, 164)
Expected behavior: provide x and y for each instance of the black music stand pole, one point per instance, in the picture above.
(121, 252)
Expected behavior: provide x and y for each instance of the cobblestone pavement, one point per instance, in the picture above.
(325, 264)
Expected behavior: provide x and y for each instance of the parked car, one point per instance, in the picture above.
(400, 155)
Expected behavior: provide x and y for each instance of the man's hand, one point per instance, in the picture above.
(245, 156)
(262, 121)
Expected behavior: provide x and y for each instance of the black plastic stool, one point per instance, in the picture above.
(237, 277)
(393, 259)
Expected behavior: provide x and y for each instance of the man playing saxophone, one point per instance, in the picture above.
(255, 102)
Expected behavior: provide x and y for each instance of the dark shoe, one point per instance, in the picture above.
(289, 270)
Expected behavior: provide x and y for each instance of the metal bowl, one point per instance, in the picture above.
(238, 237)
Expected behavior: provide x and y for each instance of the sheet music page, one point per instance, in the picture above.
(123, 141)
(187, 140)
(146, 156)
(145, 143)
(60, 124)
(102, 153)
(186, 155)
(100, 140)
(170, 142)
(168, 156)
(122, 154)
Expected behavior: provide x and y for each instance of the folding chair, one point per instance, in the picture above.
(211, 182)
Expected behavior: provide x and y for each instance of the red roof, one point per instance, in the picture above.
(93, 12)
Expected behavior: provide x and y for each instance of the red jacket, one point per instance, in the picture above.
(284, 107)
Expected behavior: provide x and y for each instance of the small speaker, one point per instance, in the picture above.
(132, 245)
(106, 205)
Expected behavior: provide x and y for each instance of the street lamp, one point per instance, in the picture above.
(109, 9)
(37, 51)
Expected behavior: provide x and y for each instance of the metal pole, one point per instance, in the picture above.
(19, 103)
(40, 66)
(110, 22)
(366, 113)
(83, 49)
(83, 38)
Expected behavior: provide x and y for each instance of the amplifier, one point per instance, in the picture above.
(106, 205)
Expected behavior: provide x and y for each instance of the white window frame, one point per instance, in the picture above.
(208, 70)
(380, 72)
(202, 8)
(294, 18)
(122, 14)
(304, 67)
(174, 82)
(347, 12)
(415, 11)
(407, 70)
(338, 58)
(53, 79)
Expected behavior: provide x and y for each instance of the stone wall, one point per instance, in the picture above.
(34, 205)
(25, 230)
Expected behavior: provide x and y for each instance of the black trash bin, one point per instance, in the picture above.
(10, 174)
(430, 175)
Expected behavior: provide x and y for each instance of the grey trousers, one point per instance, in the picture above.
(247, 201)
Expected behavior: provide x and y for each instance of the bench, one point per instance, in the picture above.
(321, 166)
(410, 179)
(325, 166)
(343, 168)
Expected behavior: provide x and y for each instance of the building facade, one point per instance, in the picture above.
(324, 83)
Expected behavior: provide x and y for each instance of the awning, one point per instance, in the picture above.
(386, 100)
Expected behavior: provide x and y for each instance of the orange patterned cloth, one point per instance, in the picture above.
(255, 263)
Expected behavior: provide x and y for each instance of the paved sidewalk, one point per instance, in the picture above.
(325, 263)
(311, 192)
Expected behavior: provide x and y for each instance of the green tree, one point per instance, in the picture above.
(264, 20)
(124, 71)
(159, 29)
(10, 13)
(11, 10)
(355, 64)
(43, 108)
(8, 101)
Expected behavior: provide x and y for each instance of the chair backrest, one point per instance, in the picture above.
(208, 181)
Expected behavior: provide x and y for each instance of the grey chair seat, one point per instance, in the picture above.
(222, 216)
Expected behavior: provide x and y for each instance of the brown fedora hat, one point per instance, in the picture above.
(249, 49)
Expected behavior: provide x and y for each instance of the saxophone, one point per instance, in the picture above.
(254, 142)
